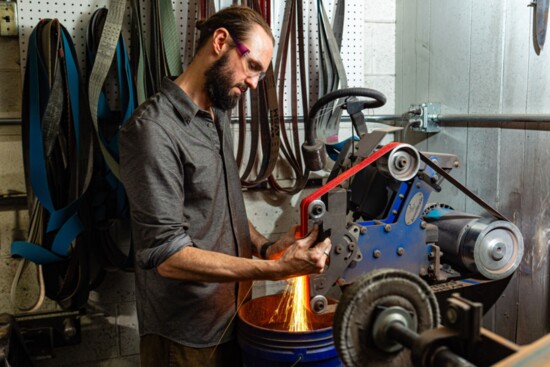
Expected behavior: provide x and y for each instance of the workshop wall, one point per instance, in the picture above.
(109, 336)
(477, 57)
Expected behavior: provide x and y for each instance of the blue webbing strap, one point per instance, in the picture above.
(109, 201)
(65, 220)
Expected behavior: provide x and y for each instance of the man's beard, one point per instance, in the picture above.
(218, 85)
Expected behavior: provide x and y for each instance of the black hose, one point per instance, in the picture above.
(379, 100)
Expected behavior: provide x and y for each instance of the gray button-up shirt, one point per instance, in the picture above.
(183, 188)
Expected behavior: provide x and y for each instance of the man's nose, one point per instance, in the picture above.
(252, 81)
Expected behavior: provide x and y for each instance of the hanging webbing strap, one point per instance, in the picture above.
(164, 42)
(110, 207)
(264, 107)
(103, 60)
(139, 60)
(57, 152)
(170, 38)
(55, 155)
(292, 40)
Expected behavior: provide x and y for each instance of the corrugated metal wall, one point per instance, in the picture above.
(478, 57)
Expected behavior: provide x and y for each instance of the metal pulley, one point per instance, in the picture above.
(402, 163)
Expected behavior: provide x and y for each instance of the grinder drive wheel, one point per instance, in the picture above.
(367, 297)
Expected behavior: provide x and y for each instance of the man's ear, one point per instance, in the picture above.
(220, 37)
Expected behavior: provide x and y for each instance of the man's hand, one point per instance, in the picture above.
(276, 250)
(304, 256)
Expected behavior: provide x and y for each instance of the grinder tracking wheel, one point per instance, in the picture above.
(356, 315)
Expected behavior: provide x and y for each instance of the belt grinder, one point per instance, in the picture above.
(375, 207)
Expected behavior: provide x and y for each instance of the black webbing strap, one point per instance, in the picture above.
(241, 141)
(159, 67)
(264, 108)
(292, 32)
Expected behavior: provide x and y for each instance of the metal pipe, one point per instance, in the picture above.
(378, 118)
(9, 202)
(10, 121)
(465, 118)
(490, 118)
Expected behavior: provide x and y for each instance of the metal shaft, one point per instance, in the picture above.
(466, 118)
(402, 334)
(442, 356)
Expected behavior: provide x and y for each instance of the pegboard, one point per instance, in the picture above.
(75, 15)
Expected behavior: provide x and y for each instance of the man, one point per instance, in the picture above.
(193, 240)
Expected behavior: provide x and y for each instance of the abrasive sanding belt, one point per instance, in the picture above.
(292, 19)
(141, 67)
(57, 156)
(263, 108)
(165, 48)
(110, 211)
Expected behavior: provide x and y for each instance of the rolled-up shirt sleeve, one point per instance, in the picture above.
(152, 173)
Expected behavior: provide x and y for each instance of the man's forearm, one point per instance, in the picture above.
(193, 264)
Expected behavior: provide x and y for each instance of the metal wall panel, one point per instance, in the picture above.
(413, 59)
(448, 83)
(481, 60)
(484, 138)
(535, 209)
(516, 51)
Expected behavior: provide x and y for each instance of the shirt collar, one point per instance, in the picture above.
(183, 104)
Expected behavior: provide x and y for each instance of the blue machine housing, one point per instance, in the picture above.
(400, 239)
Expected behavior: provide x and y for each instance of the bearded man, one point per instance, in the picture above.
(193, 241)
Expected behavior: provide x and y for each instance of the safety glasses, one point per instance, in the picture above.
(252, 68)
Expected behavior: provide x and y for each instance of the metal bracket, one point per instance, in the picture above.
(44, 332)
(8, 18)
(425, 117)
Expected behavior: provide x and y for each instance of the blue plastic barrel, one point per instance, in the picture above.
(263, 343)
